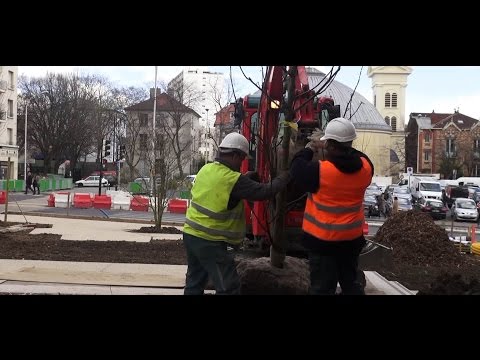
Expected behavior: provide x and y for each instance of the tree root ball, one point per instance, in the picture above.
(259, 277)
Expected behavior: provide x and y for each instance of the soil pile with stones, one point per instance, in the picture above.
(259, 277)
(417, 240)
(452, 284)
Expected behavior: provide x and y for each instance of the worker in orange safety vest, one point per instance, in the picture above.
(334, 216)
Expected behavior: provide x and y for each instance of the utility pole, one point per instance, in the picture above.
(101, 166)
(152, 172)
(6, 195)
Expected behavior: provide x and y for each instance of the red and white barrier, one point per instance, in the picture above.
(115, 200)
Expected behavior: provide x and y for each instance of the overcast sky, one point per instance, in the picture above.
(439, 88)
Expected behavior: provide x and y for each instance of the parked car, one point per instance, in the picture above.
(373, 189)
(402, 192)
(433, 207)
(453, 192)
(370, 206)
(91, 181)
(464, 209)
(404, 204)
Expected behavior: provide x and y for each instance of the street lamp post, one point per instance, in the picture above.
(25, 160)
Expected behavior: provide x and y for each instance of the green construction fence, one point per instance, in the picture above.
(52, 183)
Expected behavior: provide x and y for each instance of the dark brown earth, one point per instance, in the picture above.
(157, 230)
(423, 257)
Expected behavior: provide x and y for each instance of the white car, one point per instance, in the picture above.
(91, 181)
(191, 178)
(464, 209)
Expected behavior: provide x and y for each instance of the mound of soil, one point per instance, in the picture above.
(157, 230)
(259, 277)
(417, 240)
(452, 284)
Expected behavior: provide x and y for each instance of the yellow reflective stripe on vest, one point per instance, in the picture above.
(327, 226)
(335, 209)
(228, 234)
(234, 215)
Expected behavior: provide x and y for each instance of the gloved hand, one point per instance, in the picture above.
(315, 143)
(253, 175)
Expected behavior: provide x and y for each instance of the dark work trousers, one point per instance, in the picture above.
(328, 269)
(209, 259)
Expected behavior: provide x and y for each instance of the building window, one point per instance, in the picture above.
(10, 79)
(143, 141)
(426, 155)
(10, 108)
(375, 100)
(426, 137)
(393, 124)
(450, 149)
(387, 100)
(394, 100)
(10, 136)
(387, 120)
(476, 145)
(143, 120)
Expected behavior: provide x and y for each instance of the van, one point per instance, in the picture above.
(191, 178)
(425, 187)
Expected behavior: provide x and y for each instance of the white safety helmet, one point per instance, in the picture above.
(341, 130)
(234, 141)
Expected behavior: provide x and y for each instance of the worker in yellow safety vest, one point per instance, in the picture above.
(215, 218)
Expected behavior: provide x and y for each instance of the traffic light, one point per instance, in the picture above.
(106, 148)
(122, 151)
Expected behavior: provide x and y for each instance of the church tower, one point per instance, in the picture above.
(388, 84)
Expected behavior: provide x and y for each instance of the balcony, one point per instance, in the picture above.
(3, 86)
(450, 154)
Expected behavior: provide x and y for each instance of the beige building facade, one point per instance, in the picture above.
(8, 122)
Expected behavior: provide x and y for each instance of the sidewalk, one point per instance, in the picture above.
(84, 229)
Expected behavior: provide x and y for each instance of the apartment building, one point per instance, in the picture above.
(201, 90)
(8, 121)
(172, 119)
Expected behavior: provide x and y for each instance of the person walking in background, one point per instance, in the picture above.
(215, 218)
(333, 223)
(395, 205)
(28, 183)
(36, 184)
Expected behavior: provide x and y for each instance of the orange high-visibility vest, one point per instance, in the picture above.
(335, 211)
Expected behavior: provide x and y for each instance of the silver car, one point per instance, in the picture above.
(464, 209)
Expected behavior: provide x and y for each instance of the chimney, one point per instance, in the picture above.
(152, 92)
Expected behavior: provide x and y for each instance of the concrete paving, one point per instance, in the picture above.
(83, 229)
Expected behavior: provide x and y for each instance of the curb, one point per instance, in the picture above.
(137, 221)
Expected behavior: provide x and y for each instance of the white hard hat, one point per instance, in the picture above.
(341, 130)
(234, 141)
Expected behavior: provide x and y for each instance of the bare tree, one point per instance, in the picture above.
(126, 126)
(66, 116)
